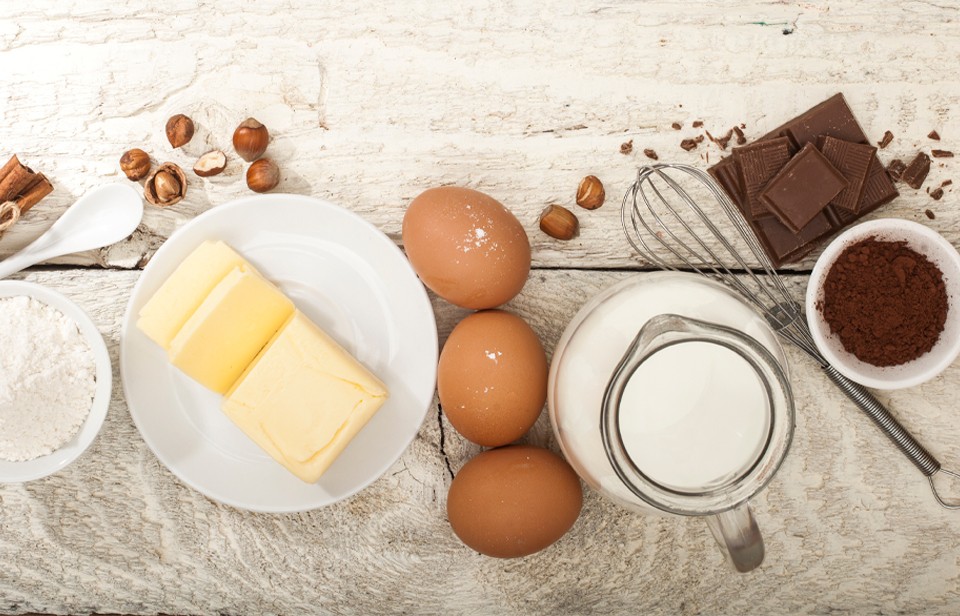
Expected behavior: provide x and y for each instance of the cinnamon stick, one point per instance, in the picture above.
(8, 167)
(32, 195)
(19, 178)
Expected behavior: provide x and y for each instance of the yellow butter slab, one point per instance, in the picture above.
(235, 321)
(304, 399)
(182, 293)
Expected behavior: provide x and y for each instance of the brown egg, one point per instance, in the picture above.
(492, 377)
(513, 501)
(466, 247)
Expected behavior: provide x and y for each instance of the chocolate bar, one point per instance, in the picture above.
(834, 119)
(757, 163)
(853, 160)
(803, 188)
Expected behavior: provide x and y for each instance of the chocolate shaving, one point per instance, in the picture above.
(887, 138)
(929, 214)
(941, 153)
(934, 135)
(626, 148)
(650, 153)
(936, 194)
(697, 123)
(676, 126)
(916, 172)
(688, 144)
(741, 138)
(896, 169)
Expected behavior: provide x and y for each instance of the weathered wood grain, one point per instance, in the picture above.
(849, 523)
(369, 105)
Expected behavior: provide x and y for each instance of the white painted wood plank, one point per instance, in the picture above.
(849, 523)
(370, 104)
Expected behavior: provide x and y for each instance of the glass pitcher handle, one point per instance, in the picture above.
(737, 533)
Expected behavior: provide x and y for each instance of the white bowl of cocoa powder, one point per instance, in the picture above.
(882, 303)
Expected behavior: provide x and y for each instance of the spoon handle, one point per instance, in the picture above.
(13, 264)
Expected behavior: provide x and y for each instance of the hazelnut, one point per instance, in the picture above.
(211, 163)
(559, 222)
(166, 185)
(250, 139)
(135, 164)
(179, 130)
(263, 175)
(590, 193)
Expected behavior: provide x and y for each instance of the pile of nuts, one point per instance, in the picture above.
(560, 223)
(167, 184)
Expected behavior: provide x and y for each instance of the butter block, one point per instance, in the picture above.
(162, 317)
(304, 399)
(235, 321)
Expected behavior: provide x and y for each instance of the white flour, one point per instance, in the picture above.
(47, 379)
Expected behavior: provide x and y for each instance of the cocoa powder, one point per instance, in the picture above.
(885, 302)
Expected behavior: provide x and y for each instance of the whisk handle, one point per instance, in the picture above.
(921, 458)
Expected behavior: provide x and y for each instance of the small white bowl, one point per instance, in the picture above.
(28, 470)
(928, 243)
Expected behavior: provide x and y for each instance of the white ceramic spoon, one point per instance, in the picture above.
(99, 218)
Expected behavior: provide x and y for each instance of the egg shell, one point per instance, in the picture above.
(514, 501)
(466, 247)
(492, 377)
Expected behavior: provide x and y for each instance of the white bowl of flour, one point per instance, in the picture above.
(55, 381)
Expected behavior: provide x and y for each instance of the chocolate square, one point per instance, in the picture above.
(725, 173)
(803, 188)
(878, 188)
(853, 160)
(831, 118)
(757, 163)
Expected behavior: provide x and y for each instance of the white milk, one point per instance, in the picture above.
(693, 416)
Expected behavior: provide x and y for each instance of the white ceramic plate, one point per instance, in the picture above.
(354, 283)
(28, 470)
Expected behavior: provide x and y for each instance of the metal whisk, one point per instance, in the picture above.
(664, 223)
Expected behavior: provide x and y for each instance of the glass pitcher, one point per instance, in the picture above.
(668, 394)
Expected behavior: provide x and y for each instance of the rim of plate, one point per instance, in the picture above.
(379, 236)
(38, 468)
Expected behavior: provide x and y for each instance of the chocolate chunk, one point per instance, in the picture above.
(877, 190)
(936, 194)
(698, 138)
(727, 175)
(741, 139)
(831, 118)
(697, 123)
(626, 148)
(651, 153)
(896, 169)
(916, 172)
(676, 125)
(688, 144)
(803, 188)
(941, 153)
(757, 163)
(934, 135)
(721, 141)
(946, 183)
(887, 138)
(853, 160)
(929, 214)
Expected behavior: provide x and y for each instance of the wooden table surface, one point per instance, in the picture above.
(372, 102)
